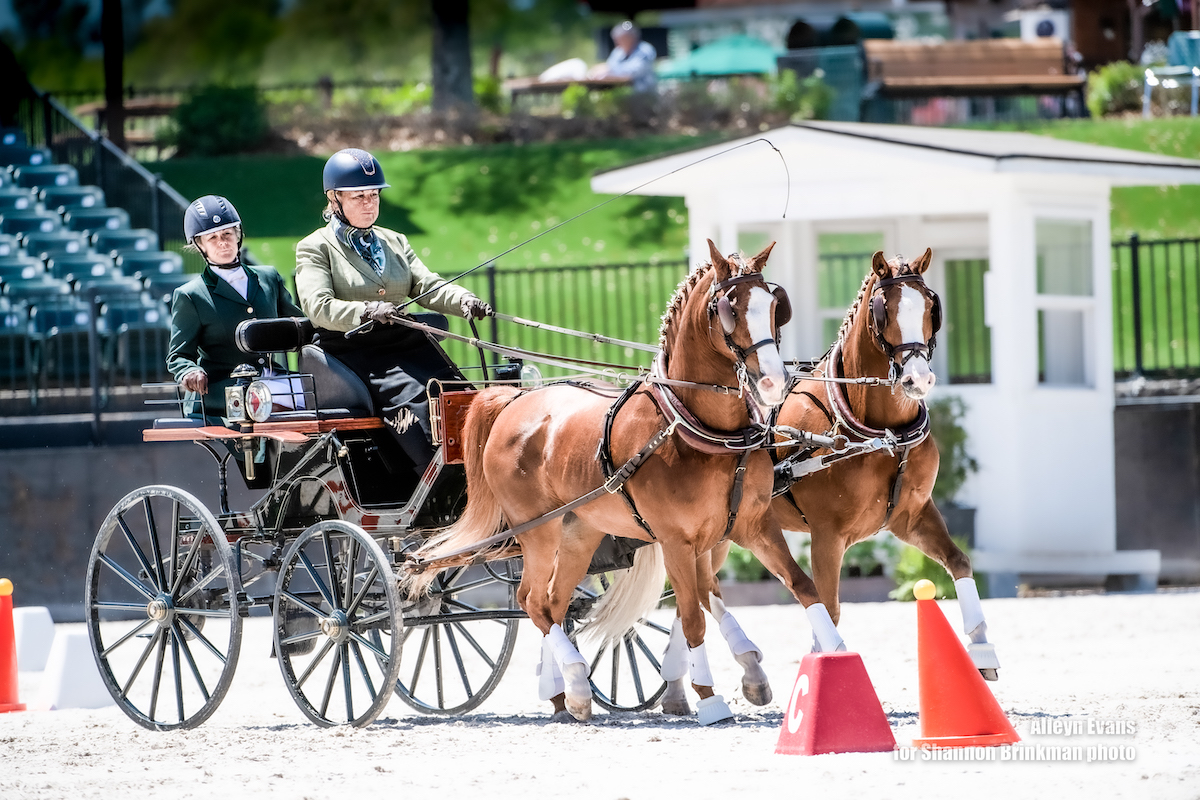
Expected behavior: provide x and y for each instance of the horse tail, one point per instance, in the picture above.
(483, 516)
(632, 595)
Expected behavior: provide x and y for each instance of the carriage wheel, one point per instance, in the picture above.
(337, 613)
(624, 674)
(459, 639)
(161, 602)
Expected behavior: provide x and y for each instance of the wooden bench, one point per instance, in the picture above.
(987, 67)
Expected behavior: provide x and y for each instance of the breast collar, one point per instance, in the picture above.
(910, 435)
(695, 433)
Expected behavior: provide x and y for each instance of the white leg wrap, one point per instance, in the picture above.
(564, 652)
(972, 612)
(739, 643)
(675, 660)
(737, 640)
(550, 679)
(698, 666)
(825, 633)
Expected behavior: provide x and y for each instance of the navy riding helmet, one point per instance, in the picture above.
(353, 170)
(209, 214)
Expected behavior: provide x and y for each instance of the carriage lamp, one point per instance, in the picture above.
(258, 401)
(531, 375)
(235, 396)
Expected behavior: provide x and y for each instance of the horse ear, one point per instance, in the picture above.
(879, 265)
(720, 265)
(921, 264)
(759, 261)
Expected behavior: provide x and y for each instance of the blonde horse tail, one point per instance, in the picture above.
(483, 516)
(633, 594)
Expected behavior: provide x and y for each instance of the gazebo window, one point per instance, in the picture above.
(1064, 301)
(843, 260)
(965, 331)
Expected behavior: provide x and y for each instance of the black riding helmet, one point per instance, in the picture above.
(210, 214)
(352, 170)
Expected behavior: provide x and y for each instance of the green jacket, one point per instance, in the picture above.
(335, 284)
(205, 311)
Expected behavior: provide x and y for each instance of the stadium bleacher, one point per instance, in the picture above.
(75, 279)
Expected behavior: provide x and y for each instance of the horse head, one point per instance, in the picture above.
(905, 316)
(745, 314)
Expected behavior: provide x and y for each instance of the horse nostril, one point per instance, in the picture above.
(767, 384)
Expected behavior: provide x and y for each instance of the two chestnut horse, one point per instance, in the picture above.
(531, 452)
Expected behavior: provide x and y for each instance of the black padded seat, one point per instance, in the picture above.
(335, 385)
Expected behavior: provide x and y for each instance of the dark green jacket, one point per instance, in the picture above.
(205, 311)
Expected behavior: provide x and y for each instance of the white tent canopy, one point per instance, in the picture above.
(1023, 219)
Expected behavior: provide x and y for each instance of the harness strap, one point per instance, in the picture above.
(735, 493)
(897, 486)
(604, 456)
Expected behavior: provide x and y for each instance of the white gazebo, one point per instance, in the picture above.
(1019, 226)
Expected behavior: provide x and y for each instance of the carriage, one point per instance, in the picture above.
(339, 524)
(170, 581)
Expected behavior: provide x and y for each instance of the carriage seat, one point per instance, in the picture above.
(339, 392)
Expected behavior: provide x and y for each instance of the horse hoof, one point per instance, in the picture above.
(564, 717)
(677, 708)
(712, 710)
(990, 674)
(757, 694)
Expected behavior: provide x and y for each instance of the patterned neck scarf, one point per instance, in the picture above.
(365, 243)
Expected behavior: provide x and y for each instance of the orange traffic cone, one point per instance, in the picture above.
(957, 708)
(834, 709)
(8, 651)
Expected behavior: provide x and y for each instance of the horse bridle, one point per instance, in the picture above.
(720, 307)
(878, 322)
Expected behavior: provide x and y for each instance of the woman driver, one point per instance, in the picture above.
(352, 271)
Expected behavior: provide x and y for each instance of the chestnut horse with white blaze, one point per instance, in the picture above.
(890, 330)
(530, 452)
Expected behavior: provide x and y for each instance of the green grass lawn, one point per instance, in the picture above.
(1153, 212)
(461, 206)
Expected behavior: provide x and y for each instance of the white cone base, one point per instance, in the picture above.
(72, 679)
(713, 709)
(34, 633)
(983, 655)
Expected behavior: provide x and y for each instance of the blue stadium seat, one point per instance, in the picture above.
(15, 345)
(59, 243)
(19, 155)
(9, 246)
(89, 264)
(47, 175)
(152, 261)
(17, 268)
(65, 198)
(95, 219)
(12, 136)
(119, 242)
(110, 286)
(17, 199)
(33, 289)
(29, 222)
(161, 286)
(64, 312)
(137, 336)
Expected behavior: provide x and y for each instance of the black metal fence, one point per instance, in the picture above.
(1156, 307)
(624, 301)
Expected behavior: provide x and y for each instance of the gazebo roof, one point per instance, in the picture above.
(825, 152)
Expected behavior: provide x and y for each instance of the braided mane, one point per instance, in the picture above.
(684, 291)
(848, 320)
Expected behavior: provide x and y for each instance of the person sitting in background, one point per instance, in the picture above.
(206, 310)
(631, 58)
